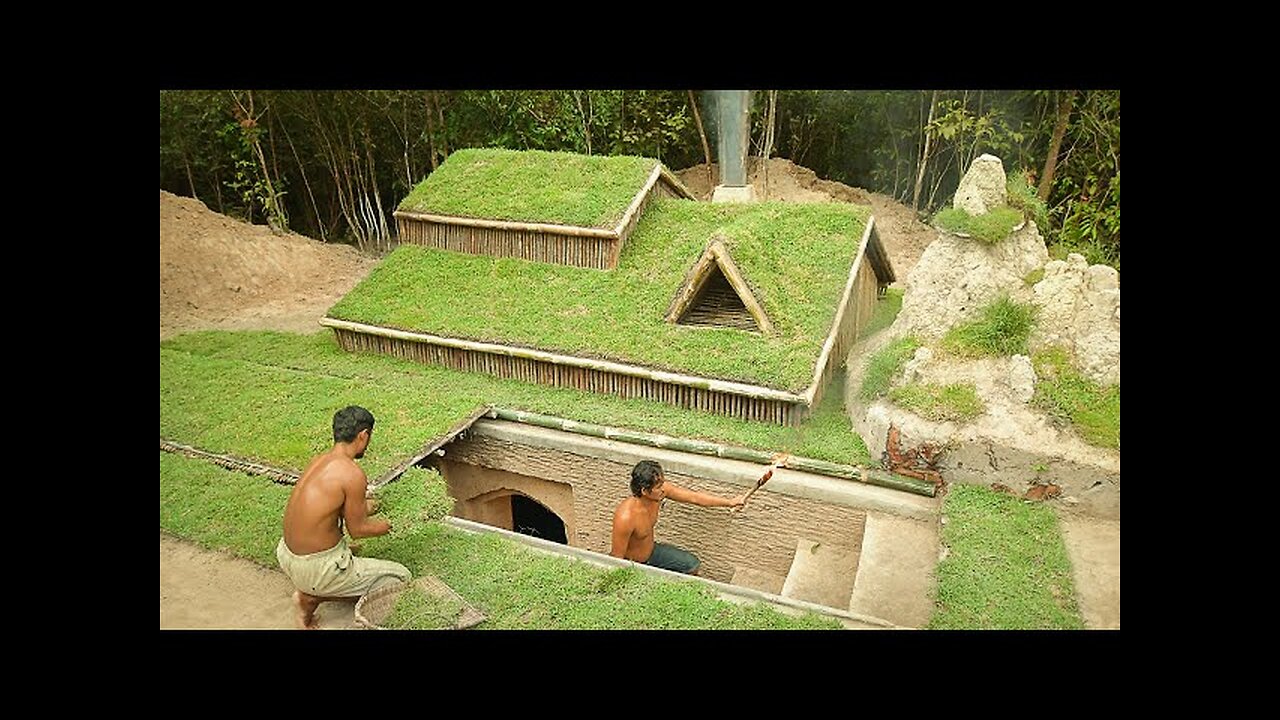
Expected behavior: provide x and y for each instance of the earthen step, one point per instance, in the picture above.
(821, 573)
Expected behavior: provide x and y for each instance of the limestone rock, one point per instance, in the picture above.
(982, 188)
(956, 277)
(1079, 309)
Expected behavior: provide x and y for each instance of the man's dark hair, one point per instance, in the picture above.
(349, 421)
(644, 475)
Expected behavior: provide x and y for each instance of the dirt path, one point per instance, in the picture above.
(208, 590)
(219, 273)
(1094, 547)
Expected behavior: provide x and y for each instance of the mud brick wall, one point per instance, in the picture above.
(762, 537)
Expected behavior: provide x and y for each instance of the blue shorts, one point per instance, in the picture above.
(670, 557)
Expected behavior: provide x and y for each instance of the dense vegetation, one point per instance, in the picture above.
(333, 165)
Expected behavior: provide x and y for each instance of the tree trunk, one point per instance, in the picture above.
(770, 117)
(191, 181)
(277, 220)
(924, 155)
(1059, 130)
(303, 170)
(702, 134)
(431, 131)
(217, 189)
(444, 132)
(585, 115)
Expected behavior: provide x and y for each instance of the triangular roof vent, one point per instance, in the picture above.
(715, 295)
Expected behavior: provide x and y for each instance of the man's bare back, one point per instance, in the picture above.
(330, 495)
(313, 515)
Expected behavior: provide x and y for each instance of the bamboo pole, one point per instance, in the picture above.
(675, 184)
(509, 225)
(618, 232)
(825, 356)
(230, 462)
(432, 445)
(870, 476)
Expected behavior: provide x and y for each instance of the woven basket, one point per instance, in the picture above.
(374, 606)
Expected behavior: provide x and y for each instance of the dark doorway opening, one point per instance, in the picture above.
(717, 305)
(529, 517)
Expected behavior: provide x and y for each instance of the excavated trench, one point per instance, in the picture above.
(862, 553)
(853, 549)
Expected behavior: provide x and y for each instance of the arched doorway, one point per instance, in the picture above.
(530, 517)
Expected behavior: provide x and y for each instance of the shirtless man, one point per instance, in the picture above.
(313, 551)
(635, 517)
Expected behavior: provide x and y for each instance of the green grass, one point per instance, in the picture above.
(885, 312)
(1094, 252)
(990, 227)
(958, 402)
(1023, 197)
(795, 257)
(1034, 277)
(1006, 568)
(416, 610)
(884, 365)
(516, 587)
(1002, 329)
(271, 397)
(532, 186)
(1093, 410)
(221, 510)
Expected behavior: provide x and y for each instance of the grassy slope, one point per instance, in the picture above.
(795, 257)
(271, 396)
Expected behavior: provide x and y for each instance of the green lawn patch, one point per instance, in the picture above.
(886, 311)
(795, 257)
(1006, 567)
(516, 587)
(990, 227)
(1093, 410)
(532, 186)
(1001, 329)
(416, 610)
(884, 365)
(270, 397)
(958, 402)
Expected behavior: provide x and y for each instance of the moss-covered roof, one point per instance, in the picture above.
(795, 257)
(532, 186)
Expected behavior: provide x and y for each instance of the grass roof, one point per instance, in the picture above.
(532, 186)
(795, 257)
(271, 397)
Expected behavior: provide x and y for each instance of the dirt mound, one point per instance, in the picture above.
(218, 272)
(903, 235)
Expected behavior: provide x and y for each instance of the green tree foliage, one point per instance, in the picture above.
(339, 161)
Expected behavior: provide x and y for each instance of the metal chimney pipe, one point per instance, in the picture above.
(733, 115)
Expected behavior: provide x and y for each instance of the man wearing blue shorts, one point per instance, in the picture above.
(634, 518)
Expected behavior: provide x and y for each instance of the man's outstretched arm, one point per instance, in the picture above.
(685, 495)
